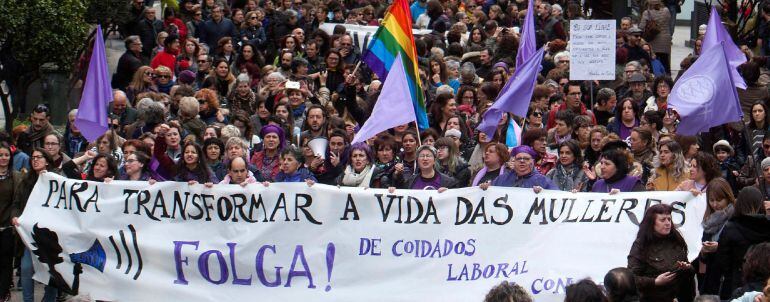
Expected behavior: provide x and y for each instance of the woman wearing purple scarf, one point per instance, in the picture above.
(615, 165)
(524, 174)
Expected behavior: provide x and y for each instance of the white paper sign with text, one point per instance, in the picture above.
(592, 50)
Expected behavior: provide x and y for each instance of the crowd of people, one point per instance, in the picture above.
(245, 92)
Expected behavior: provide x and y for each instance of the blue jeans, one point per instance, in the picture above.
(28, 285)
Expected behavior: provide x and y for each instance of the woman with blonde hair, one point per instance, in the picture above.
(141, 82)
(670, 170)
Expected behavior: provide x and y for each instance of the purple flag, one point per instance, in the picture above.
(705, 95)
(715, 34)
(97, 93)
(394, 105)
(515, 99)
(527, 46)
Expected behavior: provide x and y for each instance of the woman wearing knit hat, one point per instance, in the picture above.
(524, 174)
(728, 165)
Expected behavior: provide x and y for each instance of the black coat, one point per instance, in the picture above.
(739, 234)
(148, 32)
(657, 258)
(407, 181)
(128, 64)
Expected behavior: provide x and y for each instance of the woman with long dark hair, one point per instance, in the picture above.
(758, 124)
(568, 174)
(192, 167)
(703, 168)
(441, 110)
(9, 183)
(220, 78)
(747, 226)
(40, 162)
(658, 259)
(626, 118)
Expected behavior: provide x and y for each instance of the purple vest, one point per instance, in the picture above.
(625, 184)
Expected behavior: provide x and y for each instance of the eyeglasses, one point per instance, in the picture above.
(198, 14)
(201, 101)
(129, 161)
(37, 157)
(564, 62)
(522, 159)
(253, 18)
(163, 76)
(202, 61)
(426, 156)
(537, 114)
(51, 144)
(149, 74)
(115, 126)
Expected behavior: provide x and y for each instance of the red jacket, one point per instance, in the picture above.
(181, 28)
(164, 58)
(583, 111)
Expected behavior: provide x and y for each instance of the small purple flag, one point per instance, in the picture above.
(394, 105)
(515, 99)
(705, 95)
(527, 46)
(97, 93)
(715, 34)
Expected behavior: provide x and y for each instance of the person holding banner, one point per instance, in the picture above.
(40, 162)
(238, 173)
(193, 168)
(427, 176)
(658, 259)
(524, 174)
(292, 167)
(495, 158)
(703, 168)
(568, 174)
(101, 166)
(615, 166)
(9, 182)
(359, 170)
(137, 167)
(267, 161)
(450, 161)
(385, 160)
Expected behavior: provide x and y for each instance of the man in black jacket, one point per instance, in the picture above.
(147, 30)
(128, 63)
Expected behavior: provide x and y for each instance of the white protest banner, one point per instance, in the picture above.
(290, 242)
(592, 50)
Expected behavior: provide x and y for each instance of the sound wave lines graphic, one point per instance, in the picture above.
(129, 256)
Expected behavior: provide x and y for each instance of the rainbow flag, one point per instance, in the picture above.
(393, 37)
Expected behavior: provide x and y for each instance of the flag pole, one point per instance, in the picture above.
(356, 69)
(419, 140)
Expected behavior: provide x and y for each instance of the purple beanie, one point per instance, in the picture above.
(186, 77)
(274, 129)
(523, 149)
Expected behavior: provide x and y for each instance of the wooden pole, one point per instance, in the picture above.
(356, 69)
(419, 140)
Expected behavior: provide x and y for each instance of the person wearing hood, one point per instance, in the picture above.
(524, 174)
(747, 226)
(167, 57)
(572, 101)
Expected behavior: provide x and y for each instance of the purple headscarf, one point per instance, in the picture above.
(274, 129)
(523, 149)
